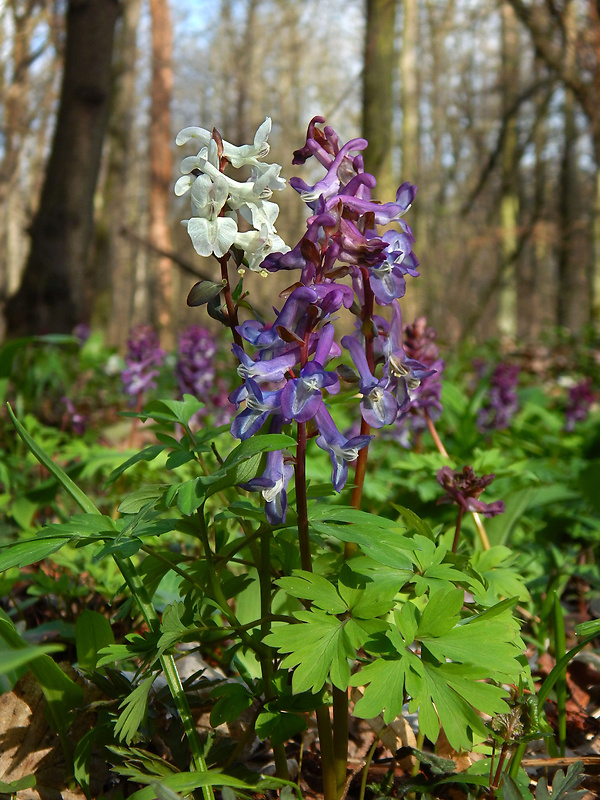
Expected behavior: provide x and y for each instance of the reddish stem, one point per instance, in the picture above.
(232, 315)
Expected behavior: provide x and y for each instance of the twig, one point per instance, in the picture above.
(181, 262)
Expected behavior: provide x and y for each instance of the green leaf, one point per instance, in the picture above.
(440, 614)
(61, 693)
(385, 682)
(83, 754)
(318, 647)
(264, 443)
(564, 787)
(378, 537)
(511, 791)
(588, 628)
(28, 782)
(180, 411)
(186, 782)
(190, 496)
(22, 554)
(82, 500)
(279, 726)
(148, 454)
(92, 633)
(135, 707)
(13, 659)
(178, 459)
(234, 699)
(172, 628)
(136, 501)
(310, 586)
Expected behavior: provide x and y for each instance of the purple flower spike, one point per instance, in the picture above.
(463, 488)
(259, 405)
(581, 397)
(330, 185)
(502, 401)
(195, 368)
(341, 450)
(378, 406)
(143, 357)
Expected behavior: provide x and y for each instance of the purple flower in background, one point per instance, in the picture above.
(426, 398)
(580, 398)
(463, 489)
(195, 369)
(82, 332)
(502, 401)
(143, 358)
(76, 420)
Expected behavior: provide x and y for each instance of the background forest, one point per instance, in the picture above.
(491, 108)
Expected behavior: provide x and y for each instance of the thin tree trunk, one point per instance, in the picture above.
(409, 82)
(161, 162)
(410, 93)
(51, 297)
(16, 94)
(377, 106)
(509, 203)
(569, 295)
(114, 253)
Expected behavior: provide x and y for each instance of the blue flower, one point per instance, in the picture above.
(259, 405)
(341, 450)
(378, 406)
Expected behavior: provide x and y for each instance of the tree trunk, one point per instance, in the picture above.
(51, 297)
(378, 104)
(113, 253)
(509, 203)
(570, 285)
(161, 163)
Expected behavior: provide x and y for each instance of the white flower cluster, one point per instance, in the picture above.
(217, 200)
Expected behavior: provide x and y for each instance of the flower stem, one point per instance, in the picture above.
(461, 511)
(328, 757)
(340, 736)
(485, 542)
(438, 442)
(232, 315)
(266, 660)
(330, 788)
(301, 499)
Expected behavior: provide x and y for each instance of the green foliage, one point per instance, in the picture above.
(176, 556)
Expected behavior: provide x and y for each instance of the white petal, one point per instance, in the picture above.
(183, 185)
(198, 231)
(226, 230)
(193, 133)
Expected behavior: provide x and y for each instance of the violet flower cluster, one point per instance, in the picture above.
(579, 401)
(502, 401)
(464, 488)
(426, 399)
(288, 375)
(143, 358)
(195, 371)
